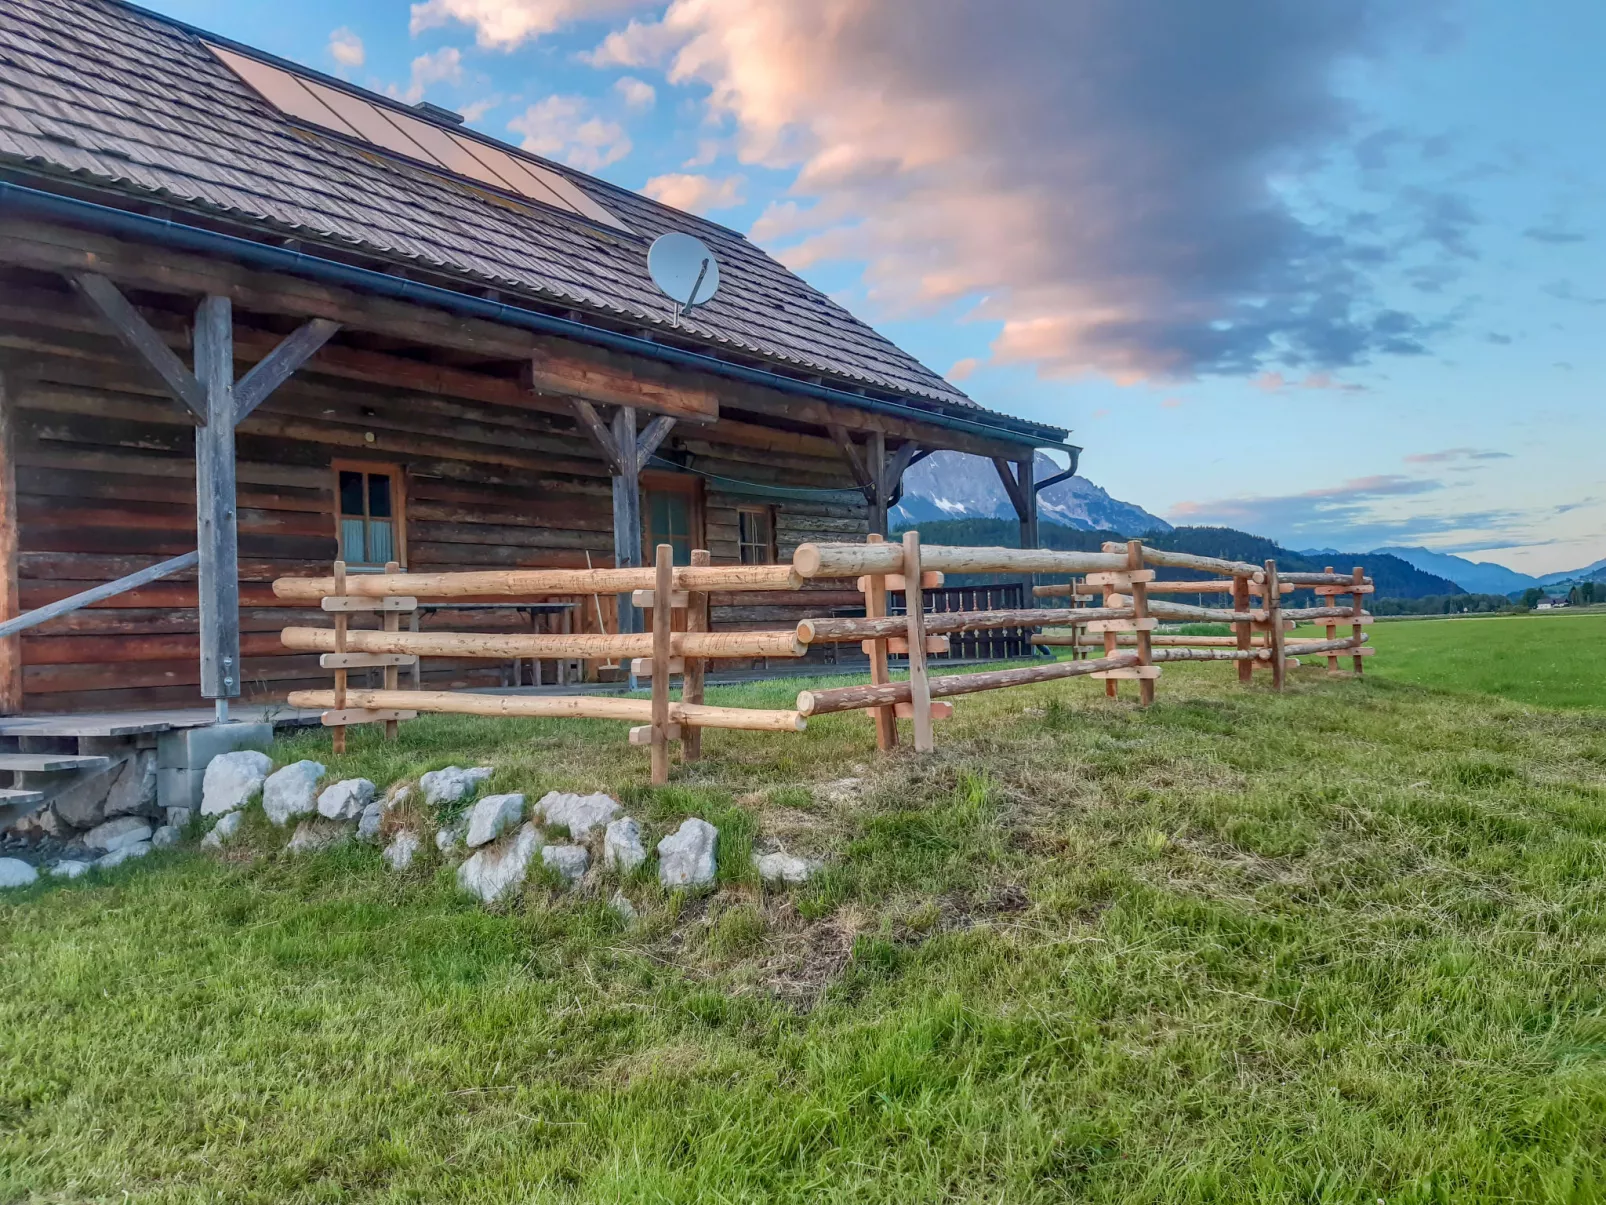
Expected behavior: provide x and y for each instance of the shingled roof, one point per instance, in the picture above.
(124, 101)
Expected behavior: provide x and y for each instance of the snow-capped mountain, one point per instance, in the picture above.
(954, 485)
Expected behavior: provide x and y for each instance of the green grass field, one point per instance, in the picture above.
(1345, 944)
(1548, 660)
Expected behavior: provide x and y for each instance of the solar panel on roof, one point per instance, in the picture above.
(357, 117)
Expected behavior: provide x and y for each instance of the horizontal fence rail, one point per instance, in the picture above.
(908, 613)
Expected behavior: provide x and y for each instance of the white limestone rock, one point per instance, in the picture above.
(345, 799)
(448, 838)
(368, 823)
(233, 780)
(223, 831)
(133, 786)
(399, 853)
(115, 834)
(122, 854)
(491, 817)
(495, 870)
(14, 872)
(453, 784)
(317, 834)
(623, 908)
(686, 858)
(622, 849)
(397, 794)
(580, 814)
(69, 868)
(785, 868)
(179, 817)
(292, 791)
(570, 861)
(165, 836)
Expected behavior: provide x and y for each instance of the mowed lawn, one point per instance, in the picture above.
(1552, 660)
(1345, 944)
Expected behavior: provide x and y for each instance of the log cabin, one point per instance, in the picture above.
(253, 313)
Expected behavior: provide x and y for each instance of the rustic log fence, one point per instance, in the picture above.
(1123, 631)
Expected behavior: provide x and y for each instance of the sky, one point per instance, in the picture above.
(1331, 271)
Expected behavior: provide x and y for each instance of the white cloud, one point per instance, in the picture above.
(443, 66)
(1109, 183)
(563, 127)
(346, 48)
(697, 194)
(504, 24)
(638, 94)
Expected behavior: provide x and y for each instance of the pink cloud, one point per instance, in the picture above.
(696, 194)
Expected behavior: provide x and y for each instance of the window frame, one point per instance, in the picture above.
(767, 514)
(660, 482)
(398, 506)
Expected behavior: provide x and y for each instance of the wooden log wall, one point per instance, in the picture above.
(105, 485)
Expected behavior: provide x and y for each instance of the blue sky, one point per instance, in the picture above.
(1326, 270)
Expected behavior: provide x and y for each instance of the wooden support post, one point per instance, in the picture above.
(10, 595)
(663, 590)
(878, 489)
(217, 540)
(1243, 631)
(337, 735)
(626, 510)
(1356, 607)
(1274, 623)
(691, 682)
(875, 606)
(392, 623)
(915, 606)
(1140, 612)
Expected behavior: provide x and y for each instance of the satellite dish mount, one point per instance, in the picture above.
(685, 271)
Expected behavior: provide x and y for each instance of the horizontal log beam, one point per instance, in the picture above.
(1204, 564)
(1321, 579)
(855, 698)
(530, 583)
(576, 707)
(585, 645)
(852, 560)
(1192, 614)
(840, 631)
(1305, 648)
(1338, 615)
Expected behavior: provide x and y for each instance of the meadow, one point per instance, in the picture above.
(1342, 944)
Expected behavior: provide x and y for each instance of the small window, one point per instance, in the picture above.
(369, 514)
(756, 535)
(669, 521)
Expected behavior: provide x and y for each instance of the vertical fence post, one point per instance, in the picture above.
(662, 604)
(1244, 629)
(392, 623)
(1274, 622)
(875, 607)
(1112, 688)
(915, 605)
(337, 737)
(1358, 578)
(1140, 612)
(695, 673)
(1332, 632)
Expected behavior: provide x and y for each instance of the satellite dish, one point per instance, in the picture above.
(684, 269)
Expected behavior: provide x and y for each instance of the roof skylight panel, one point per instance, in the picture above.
(283, 91)
(380, 126)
